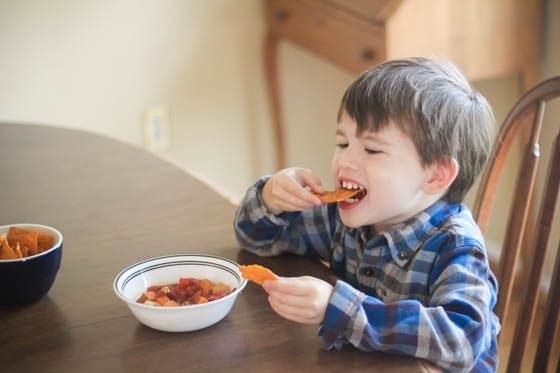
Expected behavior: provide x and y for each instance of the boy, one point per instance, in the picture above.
(412, 135)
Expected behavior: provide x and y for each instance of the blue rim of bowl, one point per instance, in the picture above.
(168, 264)
(43, 228)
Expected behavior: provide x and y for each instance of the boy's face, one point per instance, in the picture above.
(388, 166)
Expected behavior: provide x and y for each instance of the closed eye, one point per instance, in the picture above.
(341, 145)
(373, 151)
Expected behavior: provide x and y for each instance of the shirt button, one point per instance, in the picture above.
(402, 255)
(368, 272)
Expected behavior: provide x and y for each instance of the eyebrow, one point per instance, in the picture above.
(373, 137)
(366, 136)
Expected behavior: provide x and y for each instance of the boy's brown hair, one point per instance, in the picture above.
(431, 102)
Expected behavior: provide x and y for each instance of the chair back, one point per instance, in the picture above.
(526, 117)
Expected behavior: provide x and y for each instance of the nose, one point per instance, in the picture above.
(347, 159)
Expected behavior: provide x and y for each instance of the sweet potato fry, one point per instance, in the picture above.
(257, 273)
(336, 196)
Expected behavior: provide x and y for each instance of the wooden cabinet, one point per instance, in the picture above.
(341, 37)
(485, 38)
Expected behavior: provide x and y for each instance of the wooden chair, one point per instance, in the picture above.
(526, 117)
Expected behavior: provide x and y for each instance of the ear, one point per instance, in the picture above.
(440, 175)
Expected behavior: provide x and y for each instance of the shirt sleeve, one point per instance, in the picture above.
(263, 233)
(451, 331)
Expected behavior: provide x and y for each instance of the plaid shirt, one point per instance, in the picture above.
(422, 288)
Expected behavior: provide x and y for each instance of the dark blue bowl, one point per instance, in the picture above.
(26, 280)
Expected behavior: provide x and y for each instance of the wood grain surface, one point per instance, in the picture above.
(116, 204)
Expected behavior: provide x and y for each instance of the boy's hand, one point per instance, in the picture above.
(300, 299)
(286, 190)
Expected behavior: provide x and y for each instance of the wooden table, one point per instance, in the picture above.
(116, 204)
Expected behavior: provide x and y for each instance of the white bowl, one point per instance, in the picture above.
(132, 281)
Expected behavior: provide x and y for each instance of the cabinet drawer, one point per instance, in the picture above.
(349, 41)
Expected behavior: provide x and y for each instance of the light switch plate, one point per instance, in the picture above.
(157, 128)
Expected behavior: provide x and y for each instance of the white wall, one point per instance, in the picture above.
(99, 65)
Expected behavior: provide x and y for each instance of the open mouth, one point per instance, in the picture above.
(352, 186)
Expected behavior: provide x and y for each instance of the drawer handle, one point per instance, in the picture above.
(281, 15)
(368, 54)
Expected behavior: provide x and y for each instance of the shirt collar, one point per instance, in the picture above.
(406, 238)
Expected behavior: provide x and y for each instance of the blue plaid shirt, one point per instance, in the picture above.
(421, 288)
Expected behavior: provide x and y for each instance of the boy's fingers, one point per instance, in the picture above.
(282, 312)
(289, 299)
(286, 308)
(299, 196)
(293, 182)
(314, 183)
(296, 313)
(314, 199)
(308, 178)
(292, 202)
(288, 285)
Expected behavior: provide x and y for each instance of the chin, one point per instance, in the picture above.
(349, 222)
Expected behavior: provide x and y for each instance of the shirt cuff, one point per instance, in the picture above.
(341, 312)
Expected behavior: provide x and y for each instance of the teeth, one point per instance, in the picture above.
(349, 185)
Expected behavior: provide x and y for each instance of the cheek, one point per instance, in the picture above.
(394, 187)
(334, 164)
(379, 189)
(386, 187)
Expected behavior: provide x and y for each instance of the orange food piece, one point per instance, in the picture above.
(257, 273)
(6, 251)
(150, 295)
(44, 242)
(186, 292)
(23, 242)
(27, 240)
(220, 288)
(201, 300)
(163, 299)
(336, 196)
(18, 251)
(206, 287)
(171, 303)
